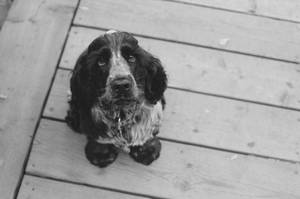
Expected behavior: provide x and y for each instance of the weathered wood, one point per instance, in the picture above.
(197, 25)
(212, 121)
(30, 44)
(38, 188)
(182, 171)
(211, 71)
(287, 9)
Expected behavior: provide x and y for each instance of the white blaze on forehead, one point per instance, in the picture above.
(110, 32)
(119, 66)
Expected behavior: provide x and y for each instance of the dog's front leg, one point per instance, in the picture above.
(146, 153)
(100, 155)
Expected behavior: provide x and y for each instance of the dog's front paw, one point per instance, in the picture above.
(100, 155)
(146, 153)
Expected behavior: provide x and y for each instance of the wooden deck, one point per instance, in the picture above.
(232, 123)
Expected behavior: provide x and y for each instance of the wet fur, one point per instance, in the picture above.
(94, 117)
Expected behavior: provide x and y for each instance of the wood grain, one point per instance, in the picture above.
(287, 9)
(30, 44)
(197, 25)
(182, 171)
(37, 188)
(211, 121)
(210, 71)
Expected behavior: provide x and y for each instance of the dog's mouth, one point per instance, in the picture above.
(124, 101)
(125, 108)
(115, 108)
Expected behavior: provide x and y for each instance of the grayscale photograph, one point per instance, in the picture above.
(160, 99)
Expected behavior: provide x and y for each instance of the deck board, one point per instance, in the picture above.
(210, 71)
(197, 25)
(58, 153)
(211, 121)
(286, 10)
(37, 188)
(232, 121)
(31, 40)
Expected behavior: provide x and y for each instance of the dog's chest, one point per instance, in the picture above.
(135, 131)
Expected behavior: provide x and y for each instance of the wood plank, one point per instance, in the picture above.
(211, 71)
(196, 25)
(37, 188)
(211, 121)
(30, 44)
(287, 9)
(182, 171)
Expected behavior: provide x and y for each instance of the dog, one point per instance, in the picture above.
(117, 99)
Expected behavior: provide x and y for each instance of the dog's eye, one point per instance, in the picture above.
(103, 57)
(131, 59)
(101, 62)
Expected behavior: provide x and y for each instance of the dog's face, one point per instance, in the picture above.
(117, 73)
(114, 60)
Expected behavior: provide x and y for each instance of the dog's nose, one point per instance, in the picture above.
(121, 85)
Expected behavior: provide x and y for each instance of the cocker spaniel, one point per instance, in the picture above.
(117, 99)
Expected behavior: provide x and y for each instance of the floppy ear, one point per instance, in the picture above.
(77, 90)
(79, 81)
(156, 80)
(83, 84)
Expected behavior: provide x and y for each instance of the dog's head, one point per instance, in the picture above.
(116, 72)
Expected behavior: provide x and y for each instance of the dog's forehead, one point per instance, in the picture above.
(117, 38)
(110, 32)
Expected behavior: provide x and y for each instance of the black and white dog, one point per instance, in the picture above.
(117, 99)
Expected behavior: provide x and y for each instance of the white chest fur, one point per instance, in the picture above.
(150, 118)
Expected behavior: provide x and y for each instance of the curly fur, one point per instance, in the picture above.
(95, 111)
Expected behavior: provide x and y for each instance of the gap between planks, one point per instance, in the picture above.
(248, 34)
(204, 67)
(198, 145)
(220, 96)
(45, 100)
(63, 189)
(182, 171)
(251, 12)
(191, 44)
(25, 53)
(208, 120)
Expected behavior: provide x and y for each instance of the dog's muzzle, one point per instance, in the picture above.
(121, 85)
(122, 88)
